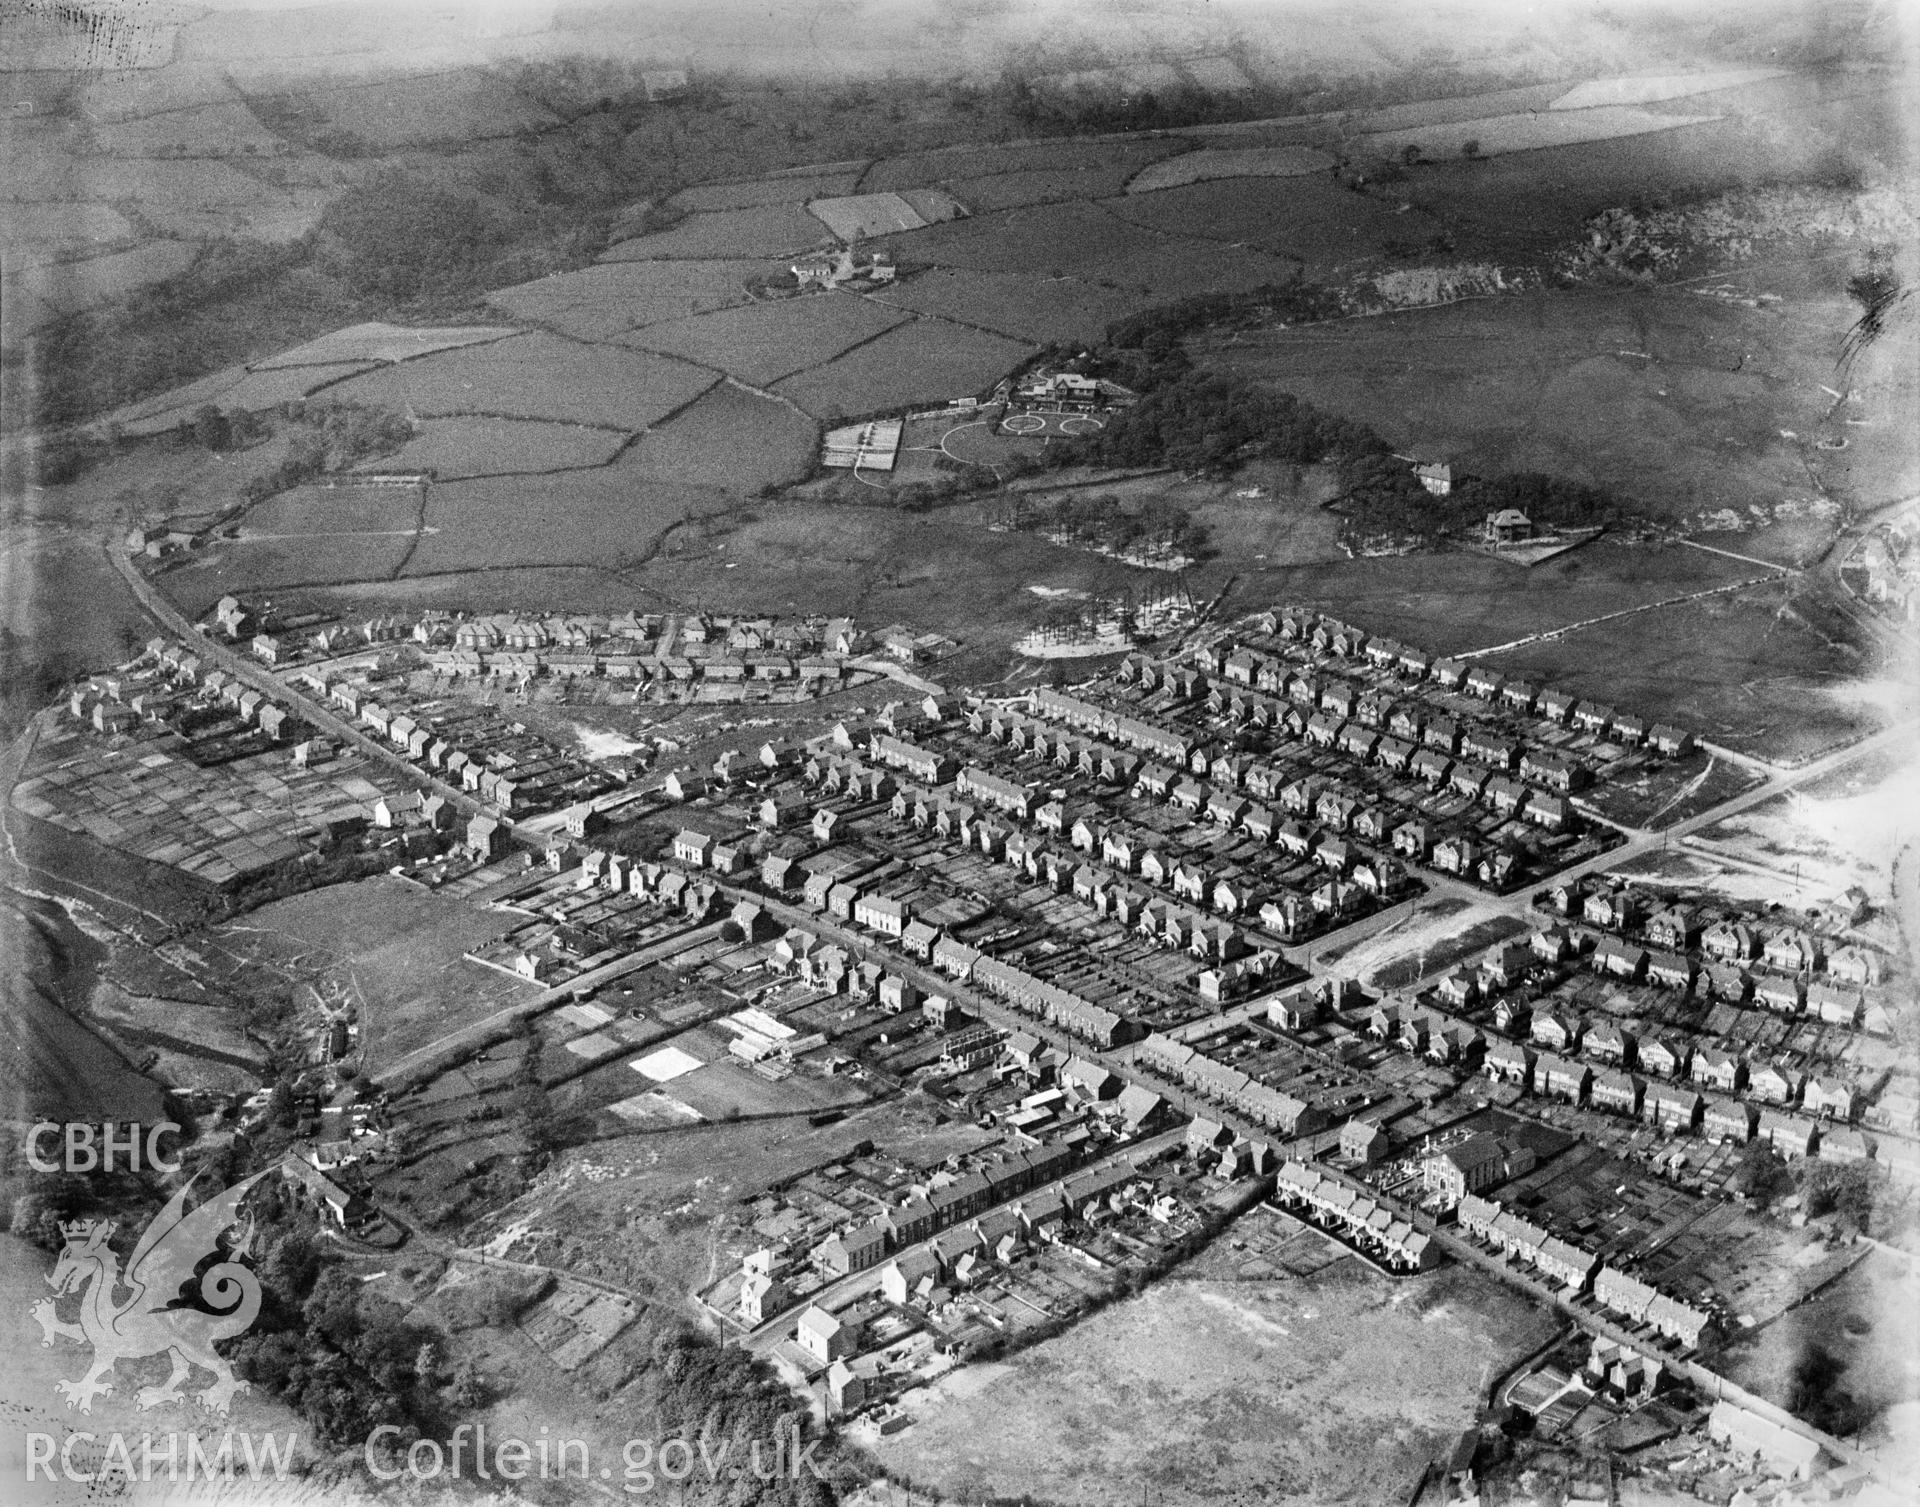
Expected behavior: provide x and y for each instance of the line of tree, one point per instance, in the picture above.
(1142, 527)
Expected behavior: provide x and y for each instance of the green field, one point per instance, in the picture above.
(1086, 241)
(597, 303)
(754, 192)
(922, 169)
(392, 948)
(764, 230)
(1677, 402)
(764, 342)
(1333, 1388)
(926, 361)
(536, 376)
(313, 512)
(1057, 309)
(728, 438)
(1313, 219)
(613, 516)
(463, 447)
(1036, 186)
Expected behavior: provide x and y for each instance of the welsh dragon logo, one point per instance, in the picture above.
(154, 1317)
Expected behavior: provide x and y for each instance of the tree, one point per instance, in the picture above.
(1410, 153)
(399, 236)
(468, 1390)
(1470, 147)
(211, 429)
(290, 1266)
(1761, 1175)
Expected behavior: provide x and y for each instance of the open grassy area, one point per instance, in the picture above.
(392, 948)
(727, 438)
(1086, 241)
(536, 376)
(1313, 218)
(1057, 309)
(763, 230)
(1337, 1387)
(1675, 401)
(613, 515)
(925, 361)
(675, 1205)
(1764, 670)
(764, 342)
(599, 302)
(461, 447)
(1867, 1324)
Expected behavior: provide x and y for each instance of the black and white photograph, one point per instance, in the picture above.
(959, 753)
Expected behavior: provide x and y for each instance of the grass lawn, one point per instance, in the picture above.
(1337, 1387)
(396, 950)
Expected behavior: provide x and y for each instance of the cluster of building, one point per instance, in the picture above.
(1069, 391)
(1885, 566)
(1577, 1271)
(189, 767)
(1672, 1078)
(1740, 957)
(705, 656)
(1362, 1216)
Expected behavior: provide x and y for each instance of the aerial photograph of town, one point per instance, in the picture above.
(928, 753)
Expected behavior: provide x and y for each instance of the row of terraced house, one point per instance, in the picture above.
(1576, 1270)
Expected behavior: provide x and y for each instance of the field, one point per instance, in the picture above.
(227, 129)
(599, 302)
(460, 106)
(1497, 135)
(1476, 601)
(379, 341)
(607, 518)
(869, 215)
(763, 342)
(1649, 90)
(673, 1204)
(728, 438)
(927, 361)
(393, 949)
(461, 447)
(320, 512)
(54, 226)
(765, 230)
(1866, 1322)
(976, 162)
(289, 560)
(68, 286)
(758, 191)
(1774, 132)
(536, 376)
(231, 389)
(1088, 242)
(1335, 1387)
(1757, 670)
(1230, 162)
(52, 177)
(1037, 186)
(1674, 401)
(1313, 219)
(1057, 309)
